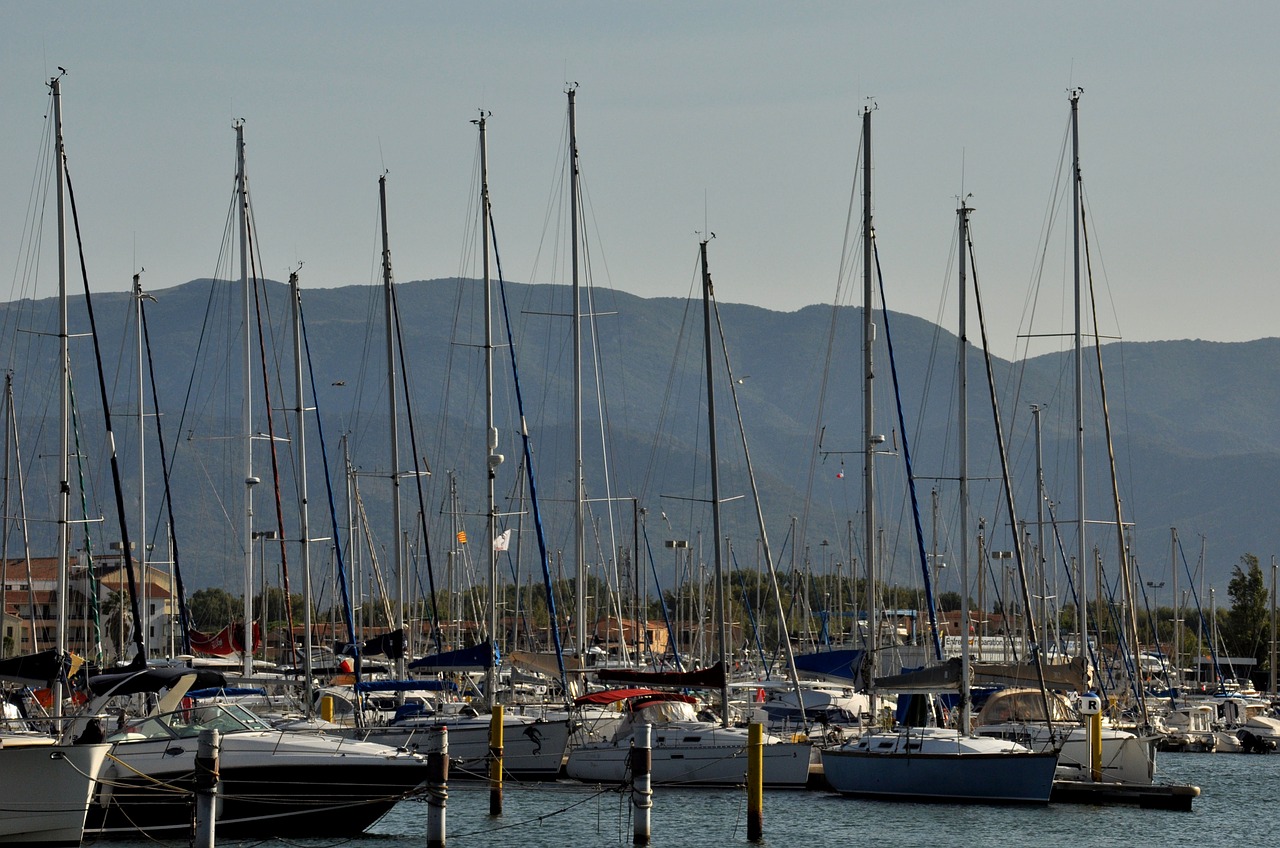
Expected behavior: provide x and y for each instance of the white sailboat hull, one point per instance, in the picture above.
(531, 748)
(1126, 758)
(692, 754)
(45, 790)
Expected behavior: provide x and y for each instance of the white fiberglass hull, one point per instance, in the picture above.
(45, 790)
(531, 748)
(692, 755)
(1126, 757)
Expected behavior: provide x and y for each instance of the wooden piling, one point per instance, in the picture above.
(437, 785)
(495, 761)
(642, 784)
(206, 788)
(755, 782)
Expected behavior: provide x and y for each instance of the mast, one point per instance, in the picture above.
(393, 424)
(965, 723)
(246, 409)
(142, 456)
(300, 434)
(1273, 627)
(579, 494)
(64, 400)
(10, 425)
(1041, 559)
(493, 459)
(1177, 607)
(870, 440)
(718, 571)
(1081, 560)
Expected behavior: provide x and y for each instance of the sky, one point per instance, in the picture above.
(741, 118)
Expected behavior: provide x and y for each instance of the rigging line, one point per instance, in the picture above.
(27, 261)
(258, 297)
(197, 360)
(88, 538)
(906, 456)
(672, 639)
(1204, 636)
(22, 507)
(348, 617)
(528, 448)
(183, 613)
(1131, 622)
(417, 468)
(848, 256)
(593, 341)
(1024, 583)
(764, 534)
(141, 658)
(529, 464)
(1057, 197)
(665, 407)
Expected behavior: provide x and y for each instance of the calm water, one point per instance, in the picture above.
(1239, 803)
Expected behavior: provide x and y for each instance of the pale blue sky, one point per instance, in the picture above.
(742, 113)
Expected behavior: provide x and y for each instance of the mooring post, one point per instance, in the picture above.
(642, 784)
(437, 748)
(1091, 709)
(755, 782)
(495, 761)
(206, 788)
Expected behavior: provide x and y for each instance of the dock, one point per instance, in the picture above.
(1151, 796)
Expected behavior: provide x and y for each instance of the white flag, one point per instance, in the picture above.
(500, 543)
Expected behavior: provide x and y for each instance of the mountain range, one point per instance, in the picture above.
(1191, 427)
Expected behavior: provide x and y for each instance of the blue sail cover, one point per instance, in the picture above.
(476, 658)
(844, 664)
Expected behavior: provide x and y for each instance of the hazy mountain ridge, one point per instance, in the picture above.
(1192, 420)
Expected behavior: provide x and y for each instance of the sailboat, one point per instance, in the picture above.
(1118, 756)
(534, 746)
(685, 749)
(45, 784)
(929, 763)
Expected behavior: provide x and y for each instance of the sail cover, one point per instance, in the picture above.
(704, 678)
(476, 658)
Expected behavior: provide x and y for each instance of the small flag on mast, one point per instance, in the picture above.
(462, 537)
(503, 539)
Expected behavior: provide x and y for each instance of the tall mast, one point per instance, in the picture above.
(1177, 607)
(964, 724)
(10, 426)
(393, 425)
(493, 459)
(246, 406)
(1041, 559)
(142, 457)
(870, 441)
(1081, 543)
(579, 492)
(718, 571)
(304, 527)
(64, 400)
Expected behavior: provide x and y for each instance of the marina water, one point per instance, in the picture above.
(1239, 805)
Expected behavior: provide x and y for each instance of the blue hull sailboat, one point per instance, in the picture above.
(940, 764)
(929, 763)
